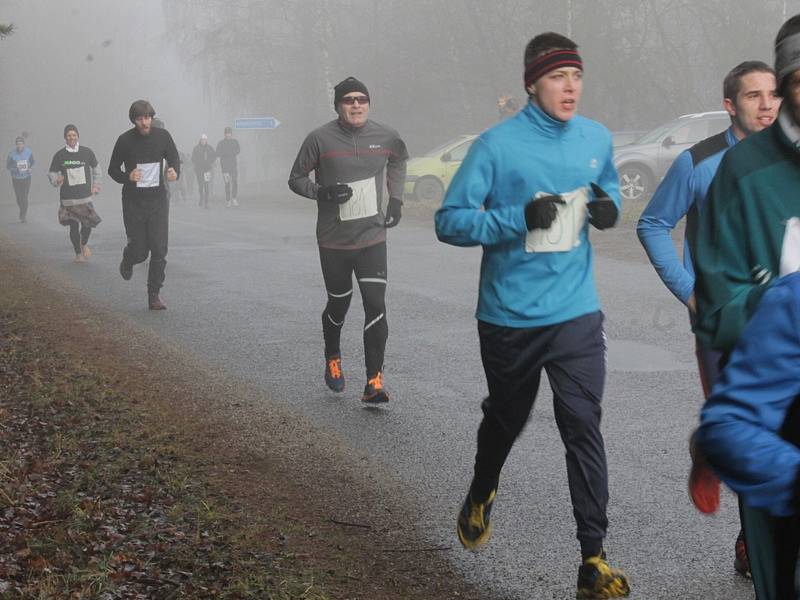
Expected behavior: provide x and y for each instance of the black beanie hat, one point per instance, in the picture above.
(141, 108)
(70, 127)
(351, 84)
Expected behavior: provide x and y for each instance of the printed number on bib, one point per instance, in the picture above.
(364, 202)
(151, 175)
(207, 176)
(22, 166)
(76, 176)
(564, 234)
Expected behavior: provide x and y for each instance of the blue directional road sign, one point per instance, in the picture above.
(256, 123)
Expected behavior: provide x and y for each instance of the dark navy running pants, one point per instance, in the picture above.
(369, 266)
(572, 355)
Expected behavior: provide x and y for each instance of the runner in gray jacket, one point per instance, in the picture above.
(352, 159)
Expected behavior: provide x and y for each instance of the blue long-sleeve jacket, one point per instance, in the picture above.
(14, 159)
(741, 423)
(485, 205)
(681, 193)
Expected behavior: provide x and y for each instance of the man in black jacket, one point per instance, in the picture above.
(203, 157)
(227, 150)
(137, 163)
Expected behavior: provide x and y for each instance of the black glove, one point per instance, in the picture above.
(602, 210)
(338, 193)
(393, 212)
(541, 212)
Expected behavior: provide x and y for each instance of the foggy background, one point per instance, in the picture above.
(434, 69)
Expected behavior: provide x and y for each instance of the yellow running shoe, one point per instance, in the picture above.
(598, 581)
(474, 527)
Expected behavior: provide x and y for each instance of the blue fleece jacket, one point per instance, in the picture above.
(14, 159)
(741, 423)
(485, 205)
(684, 186)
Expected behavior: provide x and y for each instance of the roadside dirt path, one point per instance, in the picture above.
(268, 505)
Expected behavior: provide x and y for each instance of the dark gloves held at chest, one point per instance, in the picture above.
(541, 212)
(338, 193)
(393, 212)
(602, 210)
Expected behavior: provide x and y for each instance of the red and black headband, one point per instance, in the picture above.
(557, 59)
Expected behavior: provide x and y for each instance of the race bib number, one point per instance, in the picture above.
(22, 166)
(76, 176)
(151, 175)
(564, 234)
(226, 177)
(364, 202)
(207, 176)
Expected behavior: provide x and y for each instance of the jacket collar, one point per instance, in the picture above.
(544, 123)
(352, 130)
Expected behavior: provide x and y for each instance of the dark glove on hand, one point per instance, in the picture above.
(338, 193)
(541, 212)
(393, 212)
(602, 210)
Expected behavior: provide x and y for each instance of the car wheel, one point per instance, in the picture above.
(429, 190)
(635, 183)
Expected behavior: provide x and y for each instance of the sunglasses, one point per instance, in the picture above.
(350, 100)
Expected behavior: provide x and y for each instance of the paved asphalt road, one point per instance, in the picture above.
(244, 291)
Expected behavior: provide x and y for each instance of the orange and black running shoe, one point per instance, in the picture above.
(374, 392)
(334, 378)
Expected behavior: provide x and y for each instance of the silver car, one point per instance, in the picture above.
(643, 164)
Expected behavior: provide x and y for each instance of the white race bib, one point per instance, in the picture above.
(207, 176)
(151, 175)
(364, 202)
(22, 166)
(564, 234)
(226, 177)
(790, 249)
(76, 176)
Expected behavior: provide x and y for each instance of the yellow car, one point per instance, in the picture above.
(428, 176)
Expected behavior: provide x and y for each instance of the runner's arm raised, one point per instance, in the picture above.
(462, 220)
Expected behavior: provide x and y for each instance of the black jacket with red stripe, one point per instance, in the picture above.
(337, 153)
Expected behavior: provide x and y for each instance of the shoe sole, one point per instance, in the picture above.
(477, 542)
(333, 386)
(379, 398)
(603, 594)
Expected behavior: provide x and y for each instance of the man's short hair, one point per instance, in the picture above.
(546, 42)
(732, 83)
(790, 27)
(141, 108)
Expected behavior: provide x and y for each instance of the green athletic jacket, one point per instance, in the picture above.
(741, 231)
